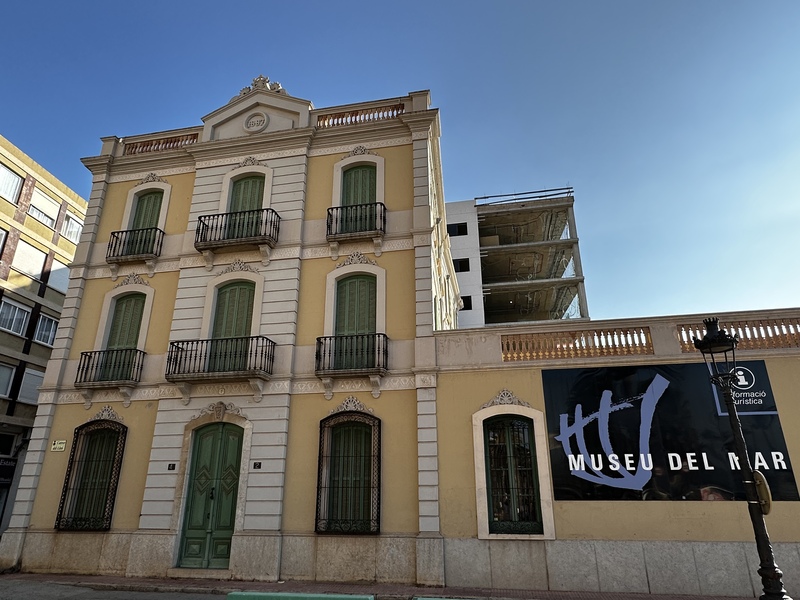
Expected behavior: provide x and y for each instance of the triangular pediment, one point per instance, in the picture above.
(262, 107)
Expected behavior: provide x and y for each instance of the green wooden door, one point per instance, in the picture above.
(123, 337)
(246, 198)
(359, 186)
(145, 219)
(211, 494)
(233, 315)
(355, 323)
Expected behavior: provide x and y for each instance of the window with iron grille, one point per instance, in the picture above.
(90, 485)
(348, 484)
(511, 475)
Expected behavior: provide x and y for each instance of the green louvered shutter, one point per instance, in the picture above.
(355, 320)
(358, 199)
(232, 319)
(246, 195)
(359, 185)
(145, 216)
(123, 337)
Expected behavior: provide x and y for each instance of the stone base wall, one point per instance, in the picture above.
(692, 568)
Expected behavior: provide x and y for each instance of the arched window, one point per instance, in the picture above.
(90, 484)
(513, 492)
(348, 483)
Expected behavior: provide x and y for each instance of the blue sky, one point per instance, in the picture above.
(677, 123)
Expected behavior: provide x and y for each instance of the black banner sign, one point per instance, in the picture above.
(660, 432)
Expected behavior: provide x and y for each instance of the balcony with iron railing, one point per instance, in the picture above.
(220, 359)
(258, 227)
(358, 221)
(134, 245)
(352, 355)
(110, 368)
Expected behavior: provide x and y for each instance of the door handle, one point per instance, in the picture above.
(211, 496)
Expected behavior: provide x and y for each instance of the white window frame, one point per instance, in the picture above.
(107, 313)
(35, 401)
(210, 305)
(40, 204)
(11, 368)
(330, 295)
(239, 173)
(10, 191)
(36, 336)
(17, 308)
(542, 464)
(51, 281)
(70, 225)
(351, 161)
(140, 190)
(15, 265)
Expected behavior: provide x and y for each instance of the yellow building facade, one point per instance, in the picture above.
(261, 378)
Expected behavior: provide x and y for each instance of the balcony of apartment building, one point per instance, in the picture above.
(530, 263)
(134, 245)
(258, 228)
(112, 368)
(222, 359)
(357, 222)
(348, 356)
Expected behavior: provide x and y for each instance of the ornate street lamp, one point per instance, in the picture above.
(719, 353)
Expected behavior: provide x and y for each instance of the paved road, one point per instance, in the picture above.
(41, 590)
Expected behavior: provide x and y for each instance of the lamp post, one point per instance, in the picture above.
(719, 353)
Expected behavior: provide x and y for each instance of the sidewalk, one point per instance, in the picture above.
(388, 591)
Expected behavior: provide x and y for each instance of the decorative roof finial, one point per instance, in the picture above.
(261, 83)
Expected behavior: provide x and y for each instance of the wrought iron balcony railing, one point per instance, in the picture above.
(134, 244)
(356, 221)
(249, 227)
(110, 367)
(345, 355)
(224, 358)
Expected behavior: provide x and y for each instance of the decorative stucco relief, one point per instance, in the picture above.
(140, 176)
(152, 178)
(351, 403)
(356, 258)
(237, 265)
(503, 398)
(218, 409)
(107, 413)
(347, 148)
(132, 279)
(259, 157)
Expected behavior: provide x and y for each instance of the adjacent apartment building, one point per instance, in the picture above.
(260, 376)
(40, 225)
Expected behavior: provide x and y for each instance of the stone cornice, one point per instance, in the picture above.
(422, 120)
(290, 139)
(97, 164)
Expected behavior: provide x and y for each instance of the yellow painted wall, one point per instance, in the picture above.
(397, 411)
(400, 296)
(166, 288)
(461, 394)
(139, 418)
(117, 196)
(399, 190)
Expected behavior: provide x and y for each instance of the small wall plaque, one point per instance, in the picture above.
(58, 446)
